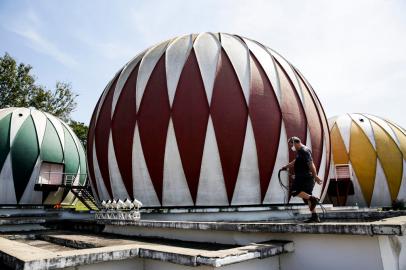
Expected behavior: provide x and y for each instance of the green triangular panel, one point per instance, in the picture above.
(51, 149)
(71, 154)
(24, 154)
(4, 138)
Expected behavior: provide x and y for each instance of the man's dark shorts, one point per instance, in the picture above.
(302, 183)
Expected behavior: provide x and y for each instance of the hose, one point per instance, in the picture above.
(286, 196)
(280, 180)
(288, 206)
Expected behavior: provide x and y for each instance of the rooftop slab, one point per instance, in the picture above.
(389, 226)
(31, 254)
(264, 213)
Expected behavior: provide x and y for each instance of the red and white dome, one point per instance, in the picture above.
(203, 120)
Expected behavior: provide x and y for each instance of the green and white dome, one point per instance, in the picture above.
(38, 149)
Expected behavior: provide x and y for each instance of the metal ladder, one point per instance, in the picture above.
(85, 197)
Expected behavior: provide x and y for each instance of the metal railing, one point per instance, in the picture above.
(58, 178)
(119, 215)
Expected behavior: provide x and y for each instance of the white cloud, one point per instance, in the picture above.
(106, 48)
(42, 45)
(28, 29)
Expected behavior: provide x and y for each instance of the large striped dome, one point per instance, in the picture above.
(36, 146)
(376, 149)
(203, 120)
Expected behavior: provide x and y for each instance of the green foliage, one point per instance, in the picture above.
(18, 89)
(80, 130)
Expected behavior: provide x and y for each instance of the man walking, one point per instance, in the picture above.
(305, 176)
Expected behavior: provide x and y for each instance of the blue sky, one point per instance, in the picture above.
(352, 52)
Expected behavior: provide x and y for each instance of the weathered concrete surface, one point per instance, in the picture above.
(390, 226)
(36, 218)
(22, 227)
(22, 220)
(35, 255)
(42, 244)
(264, 213)
(236, 213)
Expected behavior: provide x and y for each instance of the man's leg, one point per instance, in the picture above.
(303, 195)
(312, 202)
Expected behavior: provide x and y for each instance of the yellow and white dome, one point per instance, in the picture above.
(376, 150)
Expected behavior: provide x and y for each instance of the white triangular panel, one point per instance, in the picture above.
(212, 188)
(122, 79)
(322, 170)
(267, 63)
(291, 74)
(207, 49)
(77, 177)
(40, 122)
(116, 182)
(175, 58)
(17, 119)
(147, 65)
(94, 191)
(247, 188)
(101, 187)
(103, 97)
(309, 140)
(143, 188)
(331, 121)
(7, 191)
(175, 187)
(402, 189)
(381, 195)
(317, 190)
(238, 54)
(358, 197)
(276, 193)
(30, 196)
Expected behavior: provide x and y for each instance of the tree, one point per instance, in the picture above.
(80, 130)
(18, 89)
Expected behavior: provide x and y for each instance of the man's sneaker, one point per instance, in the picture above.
(313, 202)
(314, 219)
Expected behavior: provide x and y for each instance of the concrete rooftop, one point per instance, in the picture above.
(388, 226)
(56, 249)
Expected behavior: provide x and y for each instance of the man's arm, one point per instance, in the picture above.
(314, 173)
(290, 165)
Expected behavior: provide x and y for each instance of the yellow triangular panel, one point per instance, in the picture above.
(363, 159)
(340, 155)
(402, 139)
(391, 159)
